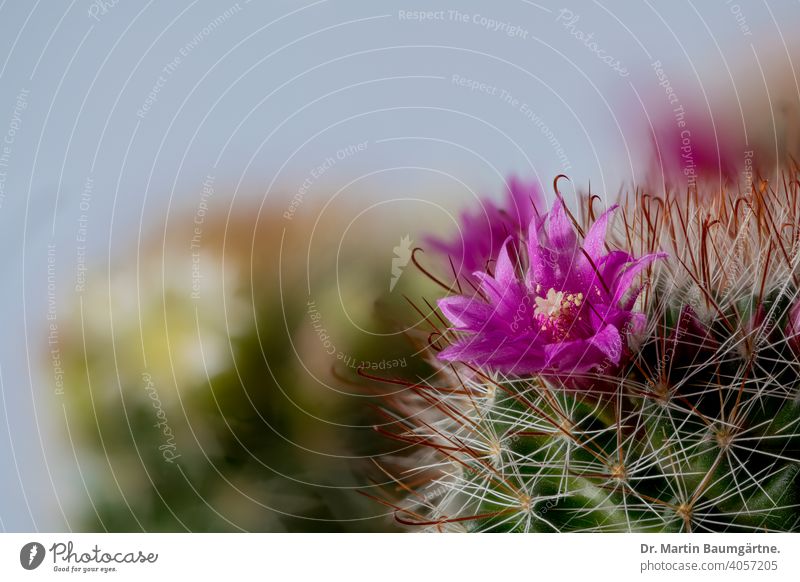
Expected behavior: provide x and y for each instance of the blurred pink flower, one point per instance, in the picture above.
(482, 232)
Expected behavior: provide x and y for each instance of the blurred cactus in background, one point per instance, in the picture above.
(206, 378)
(552, 414)
(730, 131)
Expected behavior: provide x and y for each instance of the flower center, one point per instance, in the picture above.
(556, 311)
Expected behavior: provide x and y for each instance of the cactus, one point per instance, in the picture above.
(694, 427)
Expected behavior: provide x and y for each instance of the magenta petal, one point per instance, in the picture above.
(536, 257)
(521, 353)
(461, 351)
(584, 355)
(505, 273)
(560, 231)
(464, 312)
(505, 299)
(625, 280)
(609, 342)
(571, 357)
(489, 286)
(529, 360)
(481, 349)
(614, 263)
(595, 242)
